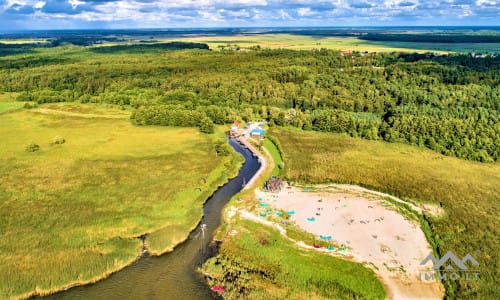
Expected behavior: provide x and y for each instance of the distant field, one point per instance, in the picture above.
(443, 47)
(72, 212)
(468, 191)
(304, 42)
(22, 41)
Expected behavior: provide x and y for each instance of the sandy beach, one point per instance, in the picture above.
(368, 228)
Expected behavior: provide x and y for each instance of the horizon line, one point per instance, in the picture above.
(257, 27)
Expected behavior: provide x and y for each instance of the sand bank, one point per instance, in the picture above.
(370, 227)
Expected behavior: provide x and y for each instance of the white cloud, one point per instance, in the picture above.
(283, 15)
(75, 3)
(199, 13)
(210, 16)
(39, 4)
(487, 3)
(305, 11)
(242, 13)
(15, 4)
(466, 11)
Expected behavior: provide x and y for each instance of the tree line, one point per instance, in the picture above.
(447, 103)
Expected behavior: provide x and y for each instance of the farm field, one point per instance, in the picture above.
(467, 191)
(301, 42)
(72, 213)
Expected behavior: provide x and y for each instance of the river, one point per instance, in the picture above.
(172, 275)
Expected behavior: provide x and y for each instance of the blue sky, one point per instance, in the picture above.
(75, 14)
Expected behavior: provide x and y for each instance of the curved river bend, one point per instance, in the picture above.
(172, 275)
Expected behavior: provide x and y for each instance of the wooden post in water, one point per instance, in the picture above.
(203, 227)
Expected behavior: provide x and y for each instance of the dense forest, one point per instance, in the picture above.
(449, 103)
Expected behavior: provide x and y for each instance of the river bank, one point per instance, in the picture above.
(365, 227)
(172, 275)
(72, 214)
(216, 180)
(310, 211)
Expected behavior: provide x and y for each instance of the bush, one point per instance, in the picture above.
(206, 125)
(32, 147)
(58, 140)
(222, 148)
(29, 105)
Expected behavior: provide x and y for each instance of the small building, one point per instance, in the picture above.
(235, 130)
(274, 184)
(257, 131)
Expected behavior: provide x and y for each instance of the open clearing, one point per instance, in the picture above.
(370, 228)
(72, 213)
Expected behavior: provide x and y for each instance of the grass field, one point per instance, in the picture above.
(90, 110)
(467, 191)
(72, 213)
(260, 264)
(275, 154)
(303, 42)
(7, 103)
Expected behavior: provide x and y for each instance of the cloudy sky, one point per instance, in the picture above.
(73, 14)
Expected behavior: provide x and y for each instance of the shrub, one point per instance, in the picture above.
(222, 148)
(29, 105)
(32, 147)
(58, 140)
(206, 125)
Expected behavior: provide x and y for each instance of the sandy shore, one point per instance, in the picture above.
(262, 160)
(370, 228)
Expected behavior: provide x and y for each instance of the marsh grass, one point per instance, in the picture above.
(467, 191)
(259, 263)
(256, 262)
(71, 213)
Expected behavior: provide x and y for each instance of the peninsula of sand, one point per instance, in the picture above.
(360, 224)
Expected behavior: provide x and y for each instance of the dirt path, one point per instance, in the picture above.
(262, 160)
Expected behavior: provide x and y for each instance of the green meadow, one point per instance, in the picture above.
(258, 263)
(7, 103)
(467, 191)
(275, 154)
(72, 213)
